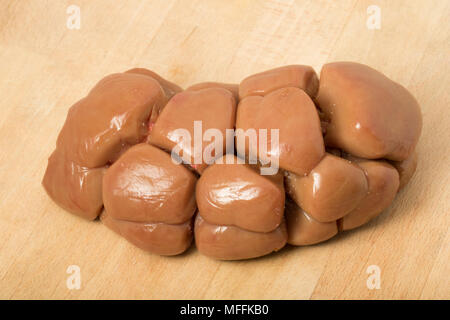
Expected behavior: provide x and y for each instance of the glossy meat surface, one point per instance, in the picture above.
(237, 195)
(214, 107)
(144, 185)
(331, 190)
(158, 238)
(370, 116)
(98, 129)
(298, 76)
(343, 145)
(383, 181)
(170, 88)
(305, 230)
(76, 189)
(293, 113)
(113, 116)
(234, 243)
(150, 200)
(233, 88)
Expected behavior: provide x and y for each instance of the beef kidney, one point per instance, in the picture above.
(344, 145)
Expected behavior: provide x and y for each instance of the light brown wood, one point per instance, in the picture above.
(45, 67)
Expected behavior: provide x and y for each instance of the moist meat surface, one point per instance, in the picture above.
(343, 146)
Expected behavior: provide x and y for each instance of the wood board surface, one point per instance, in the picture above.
(45, 67)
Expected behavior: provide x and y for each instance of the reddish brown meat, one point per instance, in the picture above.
(331, 190)
(370, 116)
(214, 107)
(150, 200)
(261, 84)
(293, 113)
(98, 129)
(383, 181)
(233, 88)
(234, 243)
(120, 148)
(303, 229)
(236, 194)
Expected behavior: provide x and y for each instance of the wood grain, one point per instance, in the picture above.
(45, 68)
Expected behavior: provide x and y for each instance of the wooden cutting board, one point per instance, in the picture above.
(45, 67)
